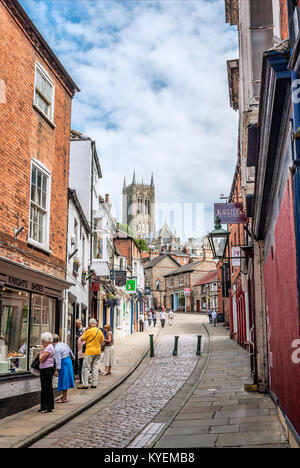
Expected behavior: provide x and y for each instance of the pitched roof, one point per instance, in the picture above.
(158, 259)
(186, 268)
(210, 277)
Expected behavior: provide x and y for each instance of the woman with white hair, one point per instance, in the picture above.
(46, 358)
(64, 368)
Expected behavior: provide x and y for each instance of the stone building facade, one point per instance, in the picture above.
(179, 284)
(139, 208)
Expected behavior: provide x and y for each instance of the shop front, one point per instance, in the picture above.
(30, 304)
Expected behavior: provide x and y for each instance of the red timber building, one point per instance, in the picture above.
(35, 111)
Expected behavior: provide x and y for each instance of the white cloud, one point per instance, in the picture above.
(154, 90)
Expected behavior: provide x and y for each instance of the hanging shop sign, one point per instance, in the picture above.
(120, 278)
(236, 254)
(187, 291)
(131, 286)
(230, 213)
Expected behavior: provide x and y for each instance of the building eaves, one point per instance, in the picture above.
(232, 12)
(233, 83)
(185, 269)
(38, 42)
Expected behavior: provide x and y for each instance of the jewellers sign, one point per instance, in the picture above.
(230, 213)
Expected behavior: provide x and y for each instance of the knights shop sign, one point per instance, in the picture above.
(230, 213)
(131, 286)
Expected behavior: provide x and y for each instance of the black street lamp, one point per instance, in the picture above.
(218, 239)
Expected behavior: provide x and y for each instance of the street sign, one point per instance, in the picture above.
(230, 213)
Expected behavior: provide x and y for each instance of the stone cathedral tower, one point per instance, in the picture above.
(139, 208)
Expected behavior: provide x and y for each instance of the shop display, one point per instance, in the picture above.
(15, 321)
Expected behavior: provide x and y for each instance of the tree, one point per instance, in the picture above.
(142, 245)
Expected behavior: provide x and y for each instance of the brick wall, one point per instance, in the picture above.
(24, 135)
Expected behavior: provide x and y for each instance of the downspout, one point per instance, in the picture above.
(91, 224)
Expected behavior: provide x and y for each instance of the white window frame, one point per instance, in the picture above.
(44, 245)
(46, 75)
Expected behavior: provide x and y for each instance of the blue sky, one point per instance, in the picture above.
(154, 92)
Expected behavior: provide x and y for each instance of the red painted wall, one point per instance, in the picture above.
(282, 311)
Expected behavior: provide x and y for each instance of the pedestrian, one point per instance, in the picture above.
(146, 323)
(154, 316)
(79, 333)
(214, 318)
(141, 321)
(93, 338)
(170, 317)
(64, 368)
(150, 317)
(80, 356)
(209, 316)
(162, 317)
(108, 360)
(46, 358)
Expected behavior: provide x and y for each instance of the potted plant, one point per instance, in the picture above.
(76, 265)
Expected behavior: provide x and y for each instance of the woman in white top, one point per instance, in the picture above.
(64, 368)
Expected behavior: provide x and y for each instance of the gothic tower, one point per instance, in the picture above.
(139, 208)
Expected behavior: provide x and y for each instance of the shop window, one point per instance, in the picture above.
(97, 239)
(14, 331)
(42, 317)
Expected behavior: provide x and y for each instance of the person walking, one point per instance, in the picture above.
(154, 316)
(64, 368)
(214, 318)
(162, 317)
(141, 321)
(46, 358)
(170, 317)
(108, 360)
(146, 323)
(93, 338)
(150, 317)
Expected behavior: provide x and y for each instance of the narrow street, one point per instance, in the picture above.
(161, 406)
(118, 419)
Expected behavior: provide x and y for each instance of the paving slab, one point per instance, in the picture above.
(220, 404)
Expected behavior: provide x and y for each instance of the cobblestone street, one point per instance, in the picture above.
(120, 417)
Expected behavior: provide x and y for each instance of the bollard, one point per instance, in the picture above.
(151, 346)
(175, 345)
(199, 346)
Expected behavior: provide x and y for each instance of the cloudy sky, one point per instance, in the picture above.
(154, 92)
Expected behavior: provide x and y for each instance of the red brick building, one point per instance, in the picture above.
(35, 113)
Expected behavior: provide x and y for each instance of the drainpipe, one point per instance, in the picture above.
(91, 224)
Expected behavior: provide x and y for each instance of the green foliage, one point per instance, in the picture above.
(142, 245)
